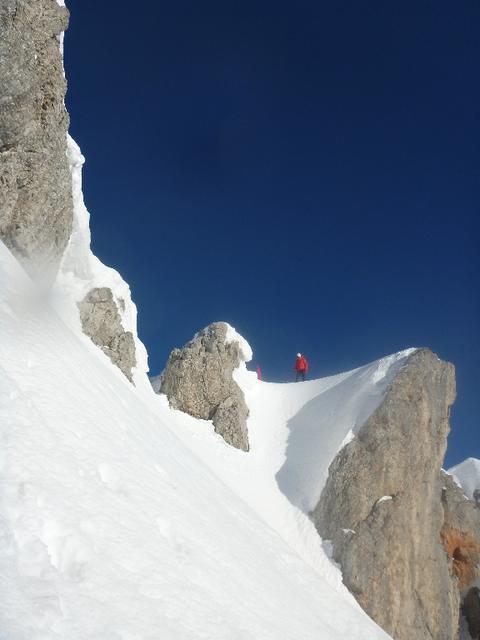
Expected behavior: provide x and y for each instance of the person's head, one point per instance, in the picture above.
(299, 355)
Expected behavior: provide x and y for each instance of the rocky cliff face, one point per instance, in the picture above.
(198, 380)
(382, 507)
(43, 219)
(36, 208)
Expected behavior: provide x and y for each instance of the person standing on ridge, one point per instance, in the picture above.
(301, 367)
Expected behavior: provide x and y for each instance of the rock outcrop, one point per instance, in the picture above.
(382, 507)
(36, 206)
(101, 321)
(461, 539)
(198, 380)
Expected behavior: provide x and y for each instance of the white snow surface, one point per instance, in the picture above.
(467, 475)
(122, 519)
(233, 336)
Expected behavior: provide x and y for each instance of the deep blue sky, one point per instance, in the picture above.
(307, 171)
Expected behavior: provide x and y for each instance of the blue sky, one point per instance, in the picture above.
(308, 172)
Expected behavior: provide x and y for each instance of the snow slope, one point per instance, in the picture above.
(121, 519)
(467, 475)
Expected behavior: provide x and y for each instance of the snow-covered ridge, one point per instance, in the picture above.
(124, 519)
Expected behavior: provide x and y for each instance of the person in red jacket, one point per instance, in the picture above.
(301, 367)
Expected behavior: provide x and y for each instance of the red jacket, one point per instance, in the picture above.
(301, 364)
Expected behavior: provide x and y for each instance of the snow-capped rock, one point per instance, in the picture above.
(199, 380)
(395, 563)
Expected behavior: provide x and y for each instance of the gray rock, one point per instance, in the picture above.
(460, 513)
(471, 611)
(198, 380)
(230, 419)
(461, 540)
(36, 208)
(101, 321)
(382, 507)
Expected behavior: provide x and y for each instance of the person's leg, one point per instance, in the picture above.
(303, 376)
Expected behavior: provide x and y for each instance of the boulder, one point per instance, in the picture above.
(101, 321)
(198, 380)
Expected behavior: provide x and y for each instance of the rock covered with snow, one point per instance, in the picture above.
(101, 321)
(390, 551)
(199, 380)
(35, 181)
